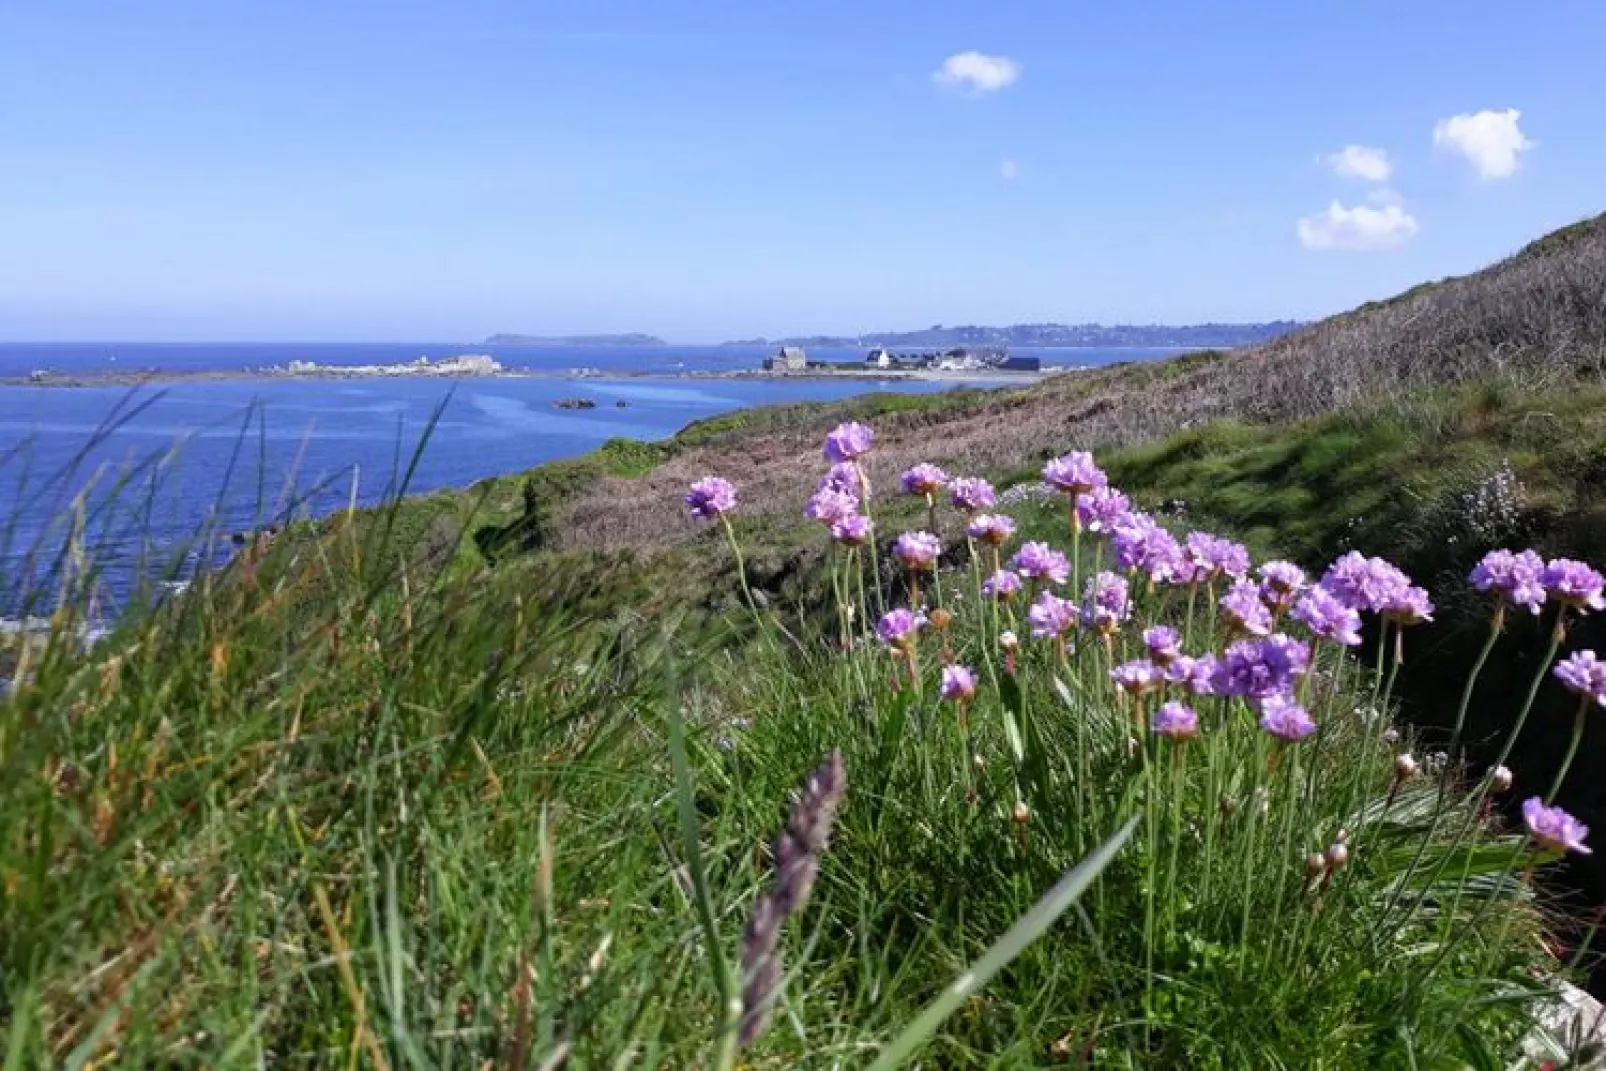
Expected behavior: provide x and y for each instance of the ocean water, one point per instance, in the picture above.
(161, 458)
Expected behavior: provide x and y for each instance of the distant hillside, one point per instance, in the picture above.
(1226, 336)
(1536, 320)
(574, 340)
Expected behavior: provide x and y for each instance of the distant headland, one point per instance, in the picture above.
(631, 339)
(1202, 336)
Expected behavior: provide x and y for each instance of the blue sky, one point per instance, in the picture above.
(717, 169)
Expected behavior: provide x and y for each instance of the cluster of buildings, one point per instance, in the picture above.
(959, 359)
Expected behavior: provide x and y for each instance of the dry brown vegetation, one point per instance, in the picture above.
(1537, 318)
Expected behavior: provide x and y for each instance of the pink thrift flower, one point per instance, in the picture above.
(1102, 510)
(993, 529)
(917, 551)
(1328, 618)
(1137, 677)
(1244, 612)
(1039, 561)
(1513, 578)
(970, 493)
(849, 441)
(1051, 615)
(828, 505)
(1003, 585)
(1553, 827)
(1285, 719)
(958, 683)
(923, 479)
(1075, 473)
(1163, 643)
(711, 497)
(1572, 583)
(1175, 721)
(898, 628)
(852, 530)
(1583, 674)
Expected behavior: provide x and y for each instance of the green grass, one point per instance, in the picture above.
(366, 804)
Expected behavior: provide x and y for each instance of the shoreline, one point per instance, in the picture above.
(134, 379)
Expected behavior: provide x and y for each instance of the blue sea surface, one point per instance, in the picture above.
(250, 451)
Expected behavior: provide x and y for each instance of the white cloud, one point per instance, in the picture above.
(1361, 229)
(1009, 170)
(1490, 140)
(977, 72)
(1360, 162)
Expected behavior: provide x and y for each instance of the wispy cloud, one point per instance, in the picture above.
(1361, 229)
(977, 72)
(1009, 171)
(1490, 140)
(1360, 162)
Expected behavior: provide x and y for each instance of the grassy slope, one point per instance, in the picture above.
(227, 800)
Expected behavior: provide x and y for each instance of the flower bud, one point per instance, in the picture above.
(1337, 855)
(1315, 865)
(1229, 806)
(1404, 767)
(940, 620)
(1391, 736)
(1007, 641)
(977, 760)
(1022, 813)
(1500, 778)
(1342, 836)
(1262, 802)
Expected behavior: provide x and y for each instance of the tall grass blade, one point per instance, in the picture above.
(1067, 891)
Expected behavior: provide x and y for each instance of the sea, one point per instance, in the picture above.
(145, 468)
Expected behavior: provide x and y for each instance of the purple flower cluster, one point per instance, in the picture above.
(830, 504)
(1370, 585)
(1410, 607)
(923, 479)
(848, 442)
(1553, 827)
(1574, 584)
(1281, 584)
(852, 530)
(1175, 721)
(1140, 543)
(1106, 604)
(1583, 674)
(1102, 510)
(970, 493)
(1213, 557)
(1075, 473)
(1039, 561)
(711, 497)
(1137, 677)
(1003, 584)
(1051, 615)
(1256, 670)
(898, 628)
(993, 529)
(917, 551)
(1328, 618)
(1513, 578)
(1196, 676)
(844, 476)
(1285, 719)
(1163, 644)
(958, 684)
(1244, 612)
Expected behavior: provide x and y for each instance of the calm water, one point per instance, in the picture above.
(249, 449)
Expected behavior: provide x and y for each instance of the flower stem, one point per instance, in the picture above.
(1557, 635)
(1572, 749)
